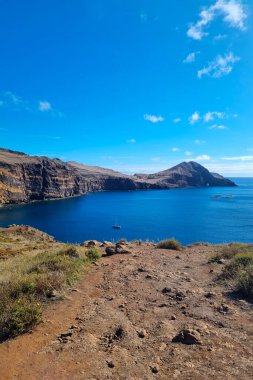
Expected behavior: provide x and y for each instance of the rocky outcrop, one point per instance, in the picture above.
(25, 178)
(186, 174)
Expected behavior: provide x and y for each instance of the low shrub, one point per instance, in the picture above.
(199, 244)
(19, 316)
(229, 251)
(31, 281)
(244, 282)
(169, 244)
(239, 273)
(70, 250)
(238, 264)
(93, 254)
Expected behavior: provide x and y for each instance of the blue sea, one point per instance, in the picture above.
(189, 215)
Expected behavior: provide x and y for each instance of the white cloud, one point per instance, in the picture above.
(188, 153)
(190, 58)
(220, 66)
(44, 106)
(232, 169)
(196, 30)
(199, 142)
(132, 141)
(220, 37)
(239, 158)
(210, 116)
(203, 157)
(194, 118)
(177, 120)
(232, 11)
(216, 126)
(175, 149)
(10, 100)
(153, 118)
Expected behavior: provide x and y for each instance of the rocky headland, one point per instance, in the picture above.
(25, 178)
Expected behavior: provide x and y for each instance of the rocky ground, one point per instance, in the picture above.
(147, 314)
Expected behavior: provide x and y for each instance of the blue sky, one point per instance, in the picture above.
(135, 85)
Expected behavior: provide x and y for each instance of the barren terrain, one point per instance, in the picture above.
(123, 321)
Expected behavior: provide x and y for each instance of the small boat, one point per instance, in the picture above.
(116, 227)
(228, 196)
(216, 196)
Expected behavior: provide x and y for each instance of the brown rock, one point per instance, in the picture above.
(187, 336)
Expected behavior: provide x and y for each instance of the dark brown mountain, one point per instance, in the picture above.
(25, 178)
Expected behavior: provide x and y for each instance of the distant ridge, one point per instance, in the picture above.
(25, 178)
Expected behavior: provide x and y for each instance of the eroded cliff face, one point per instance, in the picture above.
(25, 178)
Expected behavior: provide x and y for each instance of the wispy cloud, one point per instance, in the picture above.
(9, 100)
(220, 66)
(191, 57)
(175, 149)
(210, 116)
(44, 106)
(217, 126)
(232, 11)
(177, 120)
(12, 101)
(194, 118)
(153, 118)
(232, 169)
(199, 142)
(131, 141)
(220, 37)
(203, 157)
(239, 158)
(187, 153)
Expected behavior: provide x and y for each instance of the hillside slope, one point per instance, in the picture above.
(120, 322)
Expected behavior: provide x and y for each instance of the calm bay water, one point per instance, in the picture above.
(187, 214)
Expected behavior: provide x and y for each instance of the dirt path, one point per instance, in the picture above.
(120, 321)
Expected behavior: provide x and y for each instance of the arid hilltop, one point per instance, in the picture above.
(25, 178)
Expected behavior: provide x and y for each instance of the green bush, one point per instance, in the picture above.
(93, 255)
(199, 244)
(244, 282)
(229, 251)
(239, 263)
(35, 279)
(169, 244)
(19, 316)
(46, 263)
(70, 251)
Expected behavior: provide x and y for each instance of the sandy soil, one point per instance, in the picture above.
(120, 319)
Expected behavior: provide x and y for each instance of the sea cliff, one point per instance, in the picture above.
(25, 178)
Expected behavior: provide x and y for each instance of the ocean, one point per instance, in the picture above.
(215, 215)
